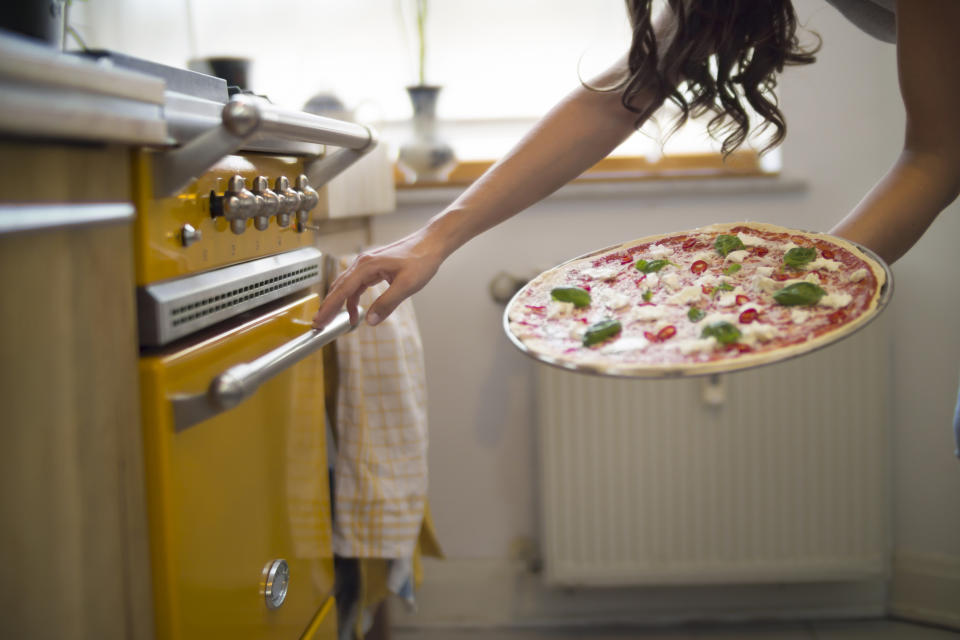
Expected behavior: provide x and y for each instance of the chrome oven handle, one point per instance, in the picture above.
(240, 381)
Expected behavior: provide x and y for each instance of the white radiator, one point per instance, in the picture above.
(771, 475)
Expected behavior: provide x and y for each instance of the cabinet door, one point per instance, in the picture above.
(73, 538)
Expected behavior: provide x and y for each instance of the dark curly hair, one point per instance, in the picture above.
(718, 54)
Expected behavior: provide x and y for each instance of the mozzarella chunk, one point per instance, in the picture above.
(799, 316)
(687, 295)
(719, 317)
(858, 275)
(737, 256)
(764, 271)
(706, 256)
(557, 309)
(787, 246)
(613, 300)
(697, 345)
(659, 252)
(727, 299)
(835, 300)
(647, 314)
(757, 332)
(823, 263)
(810, 277)
(767, 285)
(652, 280)
(751, 241)
(624, 344)
(601, 273)
(672, 281)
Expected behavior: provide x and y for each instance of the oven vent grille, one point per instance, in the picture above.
(242, 294)
(173, 309)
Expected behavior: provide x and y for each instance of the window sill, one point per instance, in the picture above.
(694, 175)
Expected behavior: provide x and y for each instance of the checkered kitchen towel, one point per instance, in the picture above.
(380, 473)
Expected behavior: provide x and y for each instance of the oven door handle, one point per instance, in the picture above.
(240, 381)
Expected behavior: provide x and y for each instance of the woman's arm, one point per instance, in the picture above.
(926, 176)
(581, 130)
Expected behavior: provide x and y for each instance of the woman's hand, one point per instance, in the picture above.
(407, 265)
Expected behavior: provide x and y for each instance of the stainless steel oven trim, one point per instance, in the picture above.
(20, 218)
(240, 381)
(172, 309)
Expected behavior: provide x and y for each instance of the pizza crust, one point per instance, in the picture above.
(589, 360)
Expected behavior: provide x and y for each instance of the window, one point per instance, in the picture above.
(502, 63)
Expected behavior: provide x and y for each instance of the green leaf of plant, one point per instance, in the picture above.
(732, 269)
(652, 266)
(601, 331)
(695, 314)
(579, 297)
(799, 257)
(724, 332)
(799, 294)
(724, 244)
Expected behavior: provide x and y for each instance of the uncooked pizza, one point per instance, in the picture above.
(713, 299)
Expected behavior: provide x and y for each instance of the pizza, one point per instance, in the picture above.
(717, 298)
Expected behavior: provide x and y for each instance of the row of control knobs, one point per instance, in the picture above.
(239, 204)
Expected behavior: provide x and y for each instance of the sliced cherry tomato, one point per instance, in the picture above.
(780, 277)
(742, 299)
(586, 287)
(748, 316)
(689, 243)
(707, 289)
(698, 267)
(666, 333)
(649, 335)
(760, 251)
(826, 253)
(739, 347)
(535, 309)
(801, 241)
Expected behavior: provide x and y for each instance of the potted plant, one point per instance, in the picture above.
(424, 157)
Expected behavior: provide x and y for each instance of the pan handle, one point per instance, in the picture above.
(240, 381)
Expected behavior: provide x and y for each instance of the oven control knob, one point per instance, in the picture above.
(239, 204)
(289, 200)
(189, 235)
(270, 202)
(274, 583)
(309, 198)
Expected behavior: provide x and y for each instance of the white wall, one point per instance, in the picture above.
(845, 126)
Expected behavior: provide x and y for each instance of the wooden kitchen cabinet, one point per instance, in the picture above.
(73, 539)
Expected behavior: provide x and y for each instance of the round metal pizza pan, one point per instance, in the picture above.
(694, 369)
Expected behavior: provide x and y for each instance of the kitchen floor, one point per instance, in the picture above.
(845, 630)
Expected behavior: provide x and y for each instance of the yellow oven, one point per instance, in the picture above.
(238, 497)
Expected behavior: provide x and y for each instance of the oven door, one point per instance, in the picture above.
(238, 498)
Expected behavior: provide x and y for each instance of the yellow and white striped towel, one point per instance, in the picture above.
(380, 473)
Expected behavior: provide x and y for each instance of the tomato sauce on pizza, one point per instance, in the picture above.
(713, 299)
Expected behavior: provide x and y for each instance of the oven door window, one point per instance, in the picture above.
(239, 502)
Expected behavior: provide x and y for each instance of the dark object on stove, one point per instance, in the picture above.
(234, 70)
(40, 19)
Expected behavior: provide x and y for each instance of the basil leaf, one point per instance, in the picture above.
(724, 332)
(695, 314)
(723, 286)
(647, 295)
(601, 331)
(804, 294)
(579, 297)
(799, 257)
(724, 244)
(732, 269)
(652, 266)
